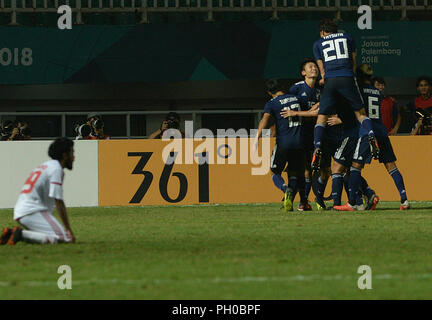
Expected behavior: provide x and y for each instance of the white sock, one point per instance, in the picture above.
(38, 237)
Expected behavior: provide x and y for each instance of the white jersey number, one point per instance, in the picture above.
(291, 123)
(335, 45)
(373, 108)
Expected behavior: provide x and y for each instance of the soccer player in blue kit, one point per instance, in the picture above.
(289, 145)
(308, 94)
(336, 59)
(373, 98)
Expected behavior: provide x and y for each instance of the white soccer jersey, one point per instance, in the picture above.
(40, 190)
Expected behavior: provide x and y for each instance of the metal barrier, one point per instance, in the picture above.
(143, 7)
(128, 114)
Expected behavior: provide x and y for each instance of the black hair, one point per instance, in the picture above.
(328, 26)
(172, 116)
(58, 147)
(379, 80)
(305, 62)
(424, 78)
(273, 86)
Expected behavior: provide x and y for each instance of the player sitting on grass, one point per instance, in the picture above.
(289, 146)
(41, 191)
(336, 59)
(373, 99)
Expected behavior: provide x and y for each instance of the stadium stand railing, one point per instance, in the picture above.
(127, 114)
(208, 7)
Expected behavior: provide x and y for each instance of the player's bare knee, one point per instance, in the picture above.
(390, 166)
(337, 167)
(357, 165)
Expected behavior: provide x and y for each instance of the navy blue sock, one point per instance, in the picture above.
(354, 183)
(292, 183)
(308, 186)
(301, 189)
(359, 199)
(365, 189)
(367, 125)
(321, 187)
(398, 180)
(318, 135)
(337, 185)
(346, 183)
(279, 182)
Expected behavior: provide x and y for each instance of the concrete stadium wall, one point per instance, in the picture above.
(19, 158)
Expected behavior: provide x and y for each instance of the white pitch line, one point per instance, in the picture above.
(215, 280)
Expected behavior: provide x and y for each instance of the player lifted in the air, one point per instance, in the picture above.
(336, 59)
(41, 192)
(289, 146)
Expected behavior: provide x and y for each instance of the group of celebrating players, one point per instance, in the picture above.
(336, 117)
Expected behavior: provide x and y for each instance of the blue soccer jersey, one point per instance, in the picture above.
(288, 130)
(372, 98)
(335, 51)
(306, 95)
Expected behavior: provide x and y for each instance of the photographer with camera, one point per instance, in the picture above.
(13, 132)
(424, 122)
(98, 130)
(172, 121)
(83, 132)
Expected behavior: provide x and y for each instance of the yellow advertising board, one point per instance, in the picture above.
(134, 172)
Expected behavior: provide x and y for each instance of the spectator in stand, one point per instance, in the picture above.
(389, 109)
(424, 100)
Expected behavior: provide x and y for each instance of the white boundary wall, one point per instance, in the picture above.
(19, 158)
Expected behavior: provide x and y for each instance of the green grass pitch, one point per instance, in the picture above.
(254, 251)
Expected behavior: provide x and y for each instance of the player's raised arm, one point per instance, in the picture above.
(61, 210)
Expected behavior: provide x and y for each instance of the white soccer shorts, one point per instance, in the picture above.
(44, 222)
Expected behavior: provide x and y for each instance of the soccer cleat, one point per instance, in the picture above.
(371, 202)
(16, 235)
(345, 207)
(5, 235)
(304, 207)
(320, 204)
(405, 205)
(374, 147)
(316, 160)
(359, 207)
(288, 199)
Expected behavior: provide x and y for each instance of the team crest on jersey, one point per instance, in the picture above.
(304, 94)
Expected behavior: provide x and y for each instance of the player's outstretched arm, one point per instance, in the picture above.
(312, 112)
(61, 209)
